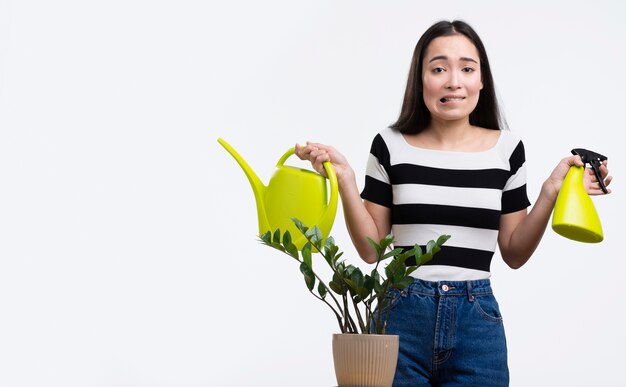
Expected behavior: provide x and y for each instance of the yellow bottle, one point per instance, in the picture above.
(575, 217)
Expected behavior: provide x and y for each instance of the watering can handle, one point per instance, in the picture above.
(330, 171)
(329, 216)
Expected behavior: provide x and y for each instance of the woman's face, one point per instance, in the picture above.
(451, 78)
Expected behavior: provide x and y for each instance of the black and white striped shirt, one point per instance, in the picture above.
(433, 192)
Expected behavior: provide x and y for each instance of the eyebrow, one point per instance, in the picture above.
(443, 57)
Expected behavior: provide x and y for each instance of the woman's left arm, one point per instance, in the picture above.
(520, 232)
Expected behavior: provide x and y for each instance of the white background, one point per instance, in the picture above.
(128, 251)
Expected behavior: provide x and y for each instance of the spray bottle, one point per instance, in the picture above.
(575, 216)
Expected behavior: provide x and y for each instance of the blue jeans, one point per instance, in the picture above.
(451, 334)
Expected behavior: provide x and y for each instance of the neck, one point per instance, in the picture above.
(450, 133)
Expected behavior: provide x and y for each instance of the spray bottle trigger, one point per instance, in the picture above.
(595, 160)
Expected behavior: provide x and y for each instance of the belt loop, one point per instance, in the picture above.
(470, 294)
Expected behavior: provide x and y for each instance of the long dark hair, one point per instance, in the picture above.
(414, 116)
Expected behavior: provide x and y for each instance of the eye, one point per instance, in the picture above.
(468, 70)
(438, 70)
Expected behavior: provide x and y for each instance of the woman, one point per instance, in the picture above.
(446, 167)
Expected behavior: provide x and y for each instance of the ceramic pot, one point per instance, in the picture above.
(365, 360)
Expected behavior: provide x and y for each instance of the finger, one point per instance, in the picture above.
(604, 170)
(598, 192)
(320, 154)
(593, 179)
(298, 150)
(574, 160)
(596, 189)
(303, 152)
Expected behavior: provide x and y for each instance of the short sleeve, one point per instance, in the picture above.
(514, 195)
(377, 184)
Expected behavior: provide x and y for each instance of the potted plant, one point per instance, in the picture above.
(358, 301)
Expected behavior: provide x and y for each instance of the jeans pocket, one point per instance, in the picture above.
(488, 308)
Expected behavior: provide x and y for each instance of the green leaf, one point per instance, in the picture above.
(329, 243)
(309, 277)
(357, 276)
(276, 238)
(266, 238)
(363, 292)
(292, 250)
(392, 253)
(442, 239)
(410, 270)
(391, 268)
(395, 271)
(315, 236)
(299, 225)
(423, 259)
(404, 282)
(351, 285)
(307, 259)
(286, 239)
(378, 287)
(418, 251)
(330, 251)
(376, 280)
(386, 242)
(322, 290)
(336, 258)
(335, 287)
(306, 254)
(368, 283)
(432, 248)
(375, 275)
(375, 246)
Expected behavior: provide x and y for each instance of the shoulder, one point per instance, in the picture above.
(512, 149)
(509, 137)
(392, 138)
(510, 143)
(386, 139)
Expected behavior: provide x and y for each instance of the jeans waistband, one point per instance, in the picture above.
(450, 288)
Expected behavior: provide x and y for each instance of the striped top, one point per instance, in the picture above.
(434, 192)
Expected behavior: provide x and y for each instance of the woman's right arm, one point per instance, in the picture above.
(363, 218)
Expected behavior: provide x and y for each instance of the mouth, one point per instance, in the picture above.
(452, 98)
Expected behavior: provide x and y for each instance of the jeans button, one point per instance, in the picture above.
(445, 288)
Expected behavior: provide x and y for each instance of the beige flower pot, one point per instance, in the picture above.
(365, 360)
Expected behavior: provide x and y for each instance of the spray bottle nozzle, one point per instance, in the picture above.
(595, 160)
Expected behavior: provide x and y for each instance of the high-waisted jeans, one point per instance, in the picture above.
(451, 334)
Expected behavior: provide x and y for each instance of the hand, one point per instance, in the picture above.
(317, 154)
(590, 182)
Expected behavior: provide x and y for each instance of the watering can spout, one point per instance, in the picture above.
(257, 185)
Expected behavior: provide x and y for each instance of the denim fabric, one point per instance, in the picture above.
(451, 334)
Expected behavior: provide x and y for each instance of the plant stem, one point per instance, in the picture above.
(359, 316)
(381, 302)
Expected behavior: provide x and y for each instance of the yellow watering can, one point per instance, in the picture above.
(292, 193)
(575, 216)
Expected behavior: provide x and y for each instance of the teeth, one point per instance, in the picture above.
(451, 99)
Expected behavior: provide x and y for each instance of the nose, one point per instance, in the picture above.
(453, 81)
